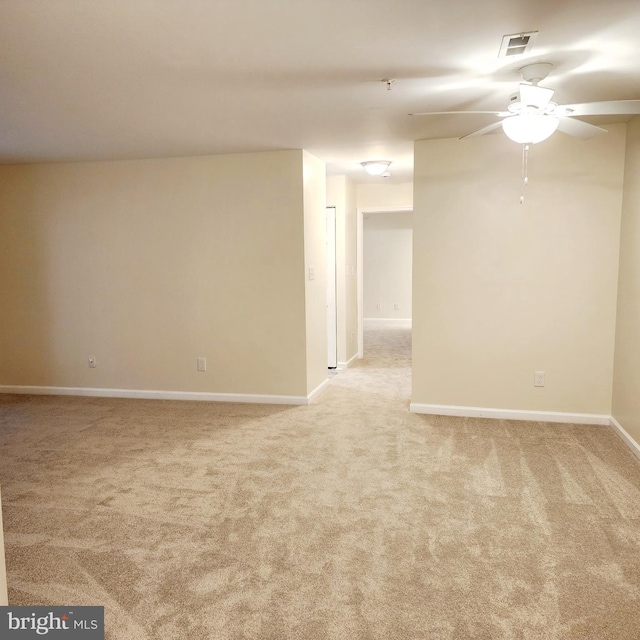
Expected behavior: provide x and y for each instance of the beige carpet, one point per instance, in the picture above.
(347, 519)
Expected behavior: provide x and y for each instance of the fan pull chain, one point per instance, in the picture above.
(525, 170)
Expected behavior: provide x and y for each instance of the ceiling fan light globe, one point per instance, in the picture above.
(530, 128)
(376, 167)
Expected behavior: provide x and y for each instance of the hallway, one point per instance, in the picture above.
(386, 366)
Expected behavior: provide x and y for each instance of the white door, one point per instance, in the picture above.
(332, 314)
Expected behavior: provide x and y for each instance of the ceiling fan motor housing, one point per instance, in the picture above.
(535, 72)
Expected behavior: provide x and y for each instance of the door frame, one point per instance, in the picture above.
(332, 287)
(360, 264)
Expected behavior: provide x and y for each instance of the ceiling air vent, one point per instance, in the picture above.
(517, 43)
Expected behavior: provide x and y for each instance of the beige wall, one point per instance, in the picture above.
(315, 256)
(341, 194)
(385, 195)
(388, 239)
(149, 264)
(351, 263)
(503, 289)
(626, 380)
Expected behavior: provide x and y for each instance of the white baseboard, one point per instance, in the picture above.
(626, 438)
(344, 365)
(159, 395)
(403, 322)
(509, 414)
(317, 391)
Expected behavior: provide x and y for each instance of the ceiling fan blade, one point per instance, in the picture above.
(535, 96)
(481, 132)
(579, 129)
(447, 113)
(606, 108)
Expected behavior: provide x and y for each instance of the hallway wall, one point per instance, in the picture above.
(388, 239)
(626, 379)
(341, 194)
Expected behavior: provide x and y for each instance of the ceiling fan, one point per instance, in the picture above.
(532, 117)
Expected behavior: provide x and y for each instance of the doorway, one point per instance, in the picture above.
(389, 303)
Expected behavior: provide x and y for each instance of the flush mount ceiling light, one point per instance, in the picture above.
(530, 128)
(376, 167)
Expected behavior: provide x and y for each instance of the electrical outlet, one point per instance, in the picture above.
(92, 362)
(396, 306)
(202, 364)
(379, 305)
(538, 378)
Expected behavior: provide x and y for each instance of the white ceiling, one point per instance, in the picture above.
(108, 79)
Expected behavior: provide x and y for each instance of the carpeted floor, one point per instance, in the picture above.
(347, 519)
